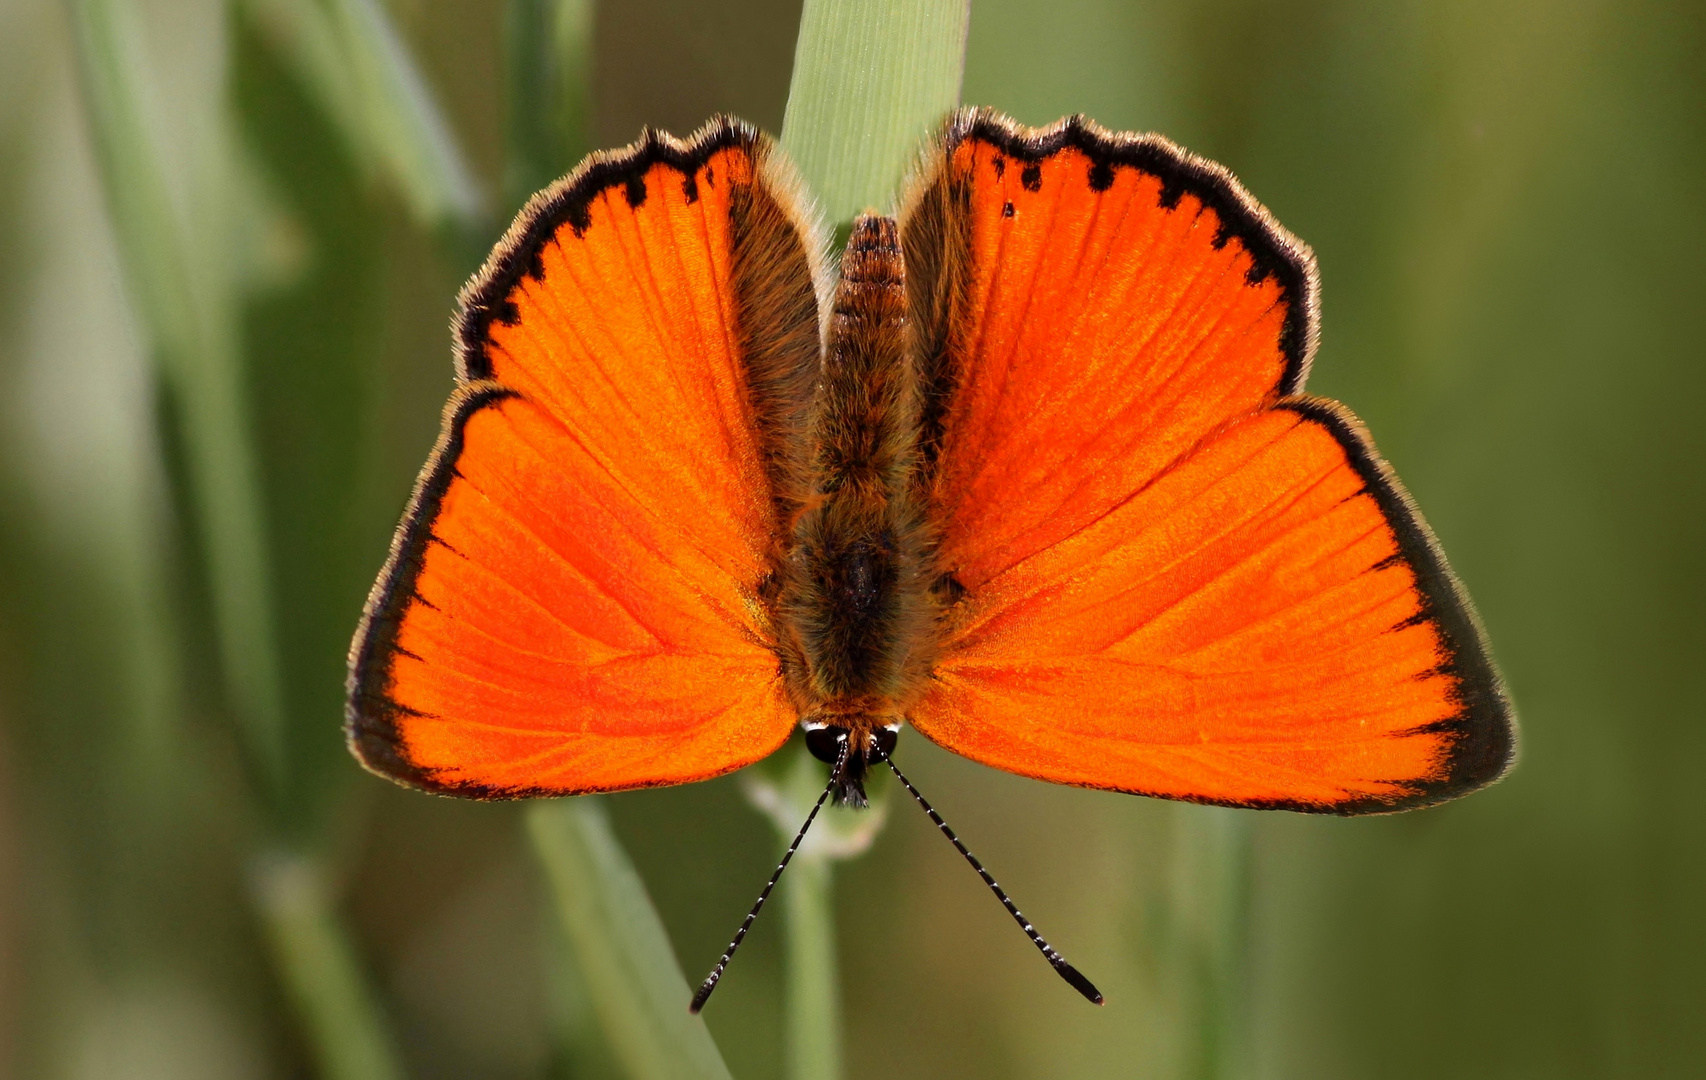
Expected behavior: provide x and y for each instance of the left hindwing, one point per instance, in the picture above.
(1181, 577)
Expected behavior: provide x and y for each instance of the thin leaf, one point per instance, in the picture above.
(181, 269)
(637, 987)
(813, 1038)
(871, 79)
(349, 57)
(179, 278)
(320, 971)
(549, 66)
(402, 120)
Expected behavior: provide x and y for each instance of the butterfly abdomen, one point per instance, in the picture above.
(853, 597)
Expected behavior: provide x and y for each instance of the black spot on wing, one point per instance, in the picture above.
(1101, 175)
(1032, 177)
(579, 217)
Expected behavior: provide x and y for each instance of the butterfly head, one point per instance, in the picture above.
(867, 740)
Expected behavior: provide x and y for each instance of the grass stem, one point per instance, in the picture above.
(636, 984)
(1212, 901)
(177, 278)
(350, 59)
(178, 235)
(548, 61)
(812, 1045)
(318, 965)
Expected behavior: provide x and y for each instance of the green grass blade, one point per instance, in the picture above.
(571, 25)
(350, 59)
(181, 272)
(179, 280)
(637, 987)
(871, 79)
(1211, 898)
(548, 60)
(813, 1039)
(812, 1050)
(318, 966)
(404, 124)
(306, 39)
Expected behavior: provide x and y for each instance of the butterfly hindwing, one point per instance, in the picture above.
(1176, 575)
(571, 602)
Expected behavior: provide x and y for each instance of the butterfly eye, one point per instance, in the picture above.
(825, 742)
(882, 743)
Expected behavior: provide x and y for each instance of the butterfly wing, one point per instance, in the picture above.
(571, 602)
(1180, 577)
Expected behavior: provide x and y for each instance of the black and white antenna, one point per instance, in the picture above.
(1072, 975)
(710, 982)
(1065, 970)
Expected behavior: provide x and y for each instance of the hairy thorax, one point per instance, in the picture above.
(854, 603)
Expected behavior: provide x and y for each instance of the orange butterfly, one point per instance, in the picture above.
(1032, 470)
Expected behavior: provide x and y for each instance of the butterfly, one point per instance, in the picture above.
(1029, 469)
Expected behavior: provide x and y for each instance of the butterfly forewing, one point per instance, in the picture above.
(1179, 578)
(572, 599)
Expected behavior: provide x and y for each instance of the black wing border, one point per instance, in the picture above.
(1275, 251)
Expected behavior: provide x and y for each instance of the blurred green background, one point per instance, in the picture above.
(203, 458)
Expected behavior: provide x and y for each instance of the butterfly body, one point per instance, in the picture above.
(1030, 470)
(857, 614)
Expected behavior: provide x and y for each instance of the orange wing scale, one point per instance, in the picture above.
(1180, 578)
(570, 603)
